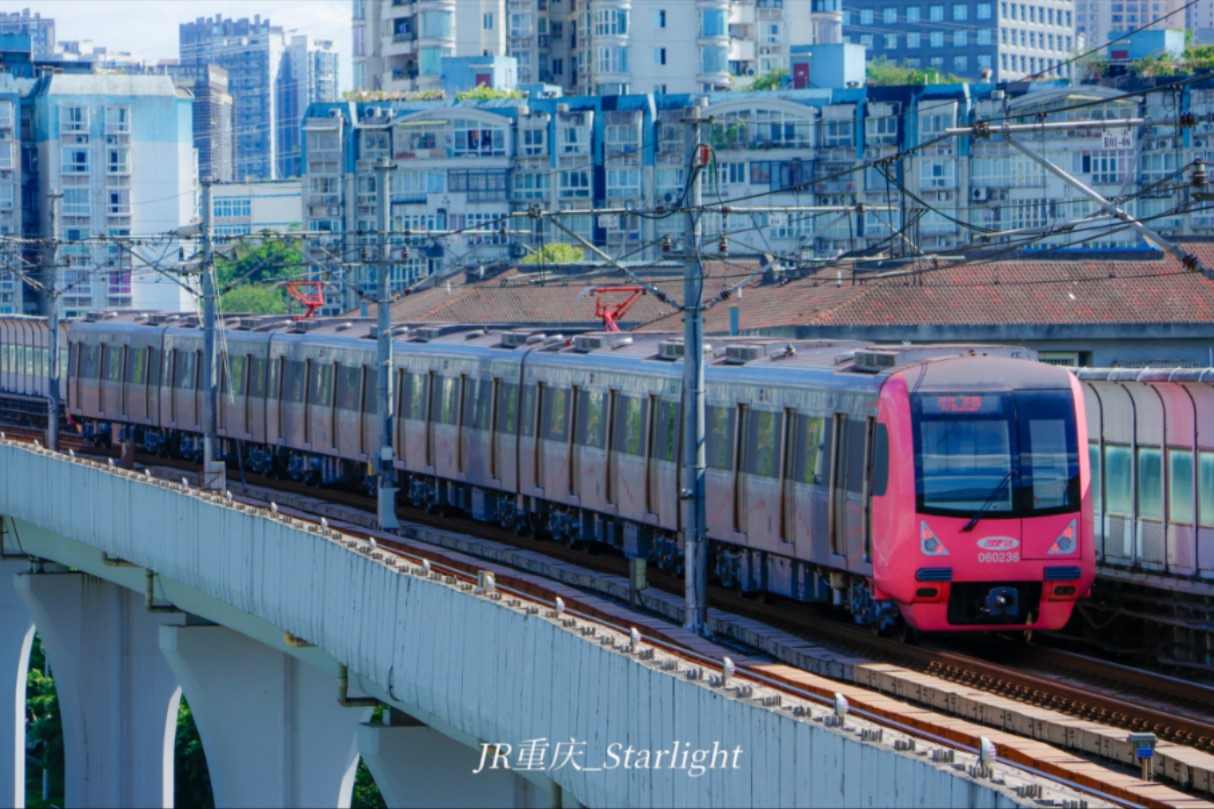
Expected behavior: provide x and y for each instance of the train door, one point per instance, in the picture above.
(609, 480)
(574, 466)
(847, 484)
(742, 440)
(464, 417)
(431, 416)
(788, 499)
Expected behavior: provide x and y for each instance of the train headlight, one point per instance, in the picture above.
(1065, 544)
(929, 544)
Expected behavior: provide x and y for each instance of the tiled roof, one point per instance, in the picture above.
(1019, 292)
(529, 298)
(1016, 292)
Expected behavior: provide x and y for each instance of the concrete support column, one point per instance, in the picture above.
(415, 765)
(271, 727)
(16, 639)
(117, 696)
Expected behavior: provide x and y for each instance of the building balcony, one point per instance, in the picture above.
(399, 45)
(741, 51)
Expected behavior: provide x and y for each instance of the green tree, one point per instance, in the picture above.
(43, 731)
(770, 81)
(255, 300)
(483, 92)
(250, 273)
(366, 791)
(555, 253)
(882, 72)
(191, 778)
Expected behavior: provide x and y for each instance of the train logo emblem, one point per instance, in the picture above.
(998, 543)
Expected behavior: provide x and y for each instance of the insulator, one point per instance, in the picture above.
(404, 253)
(365, 254)
(666, 244)
(1199, 178)
(181, 254)
(723, 245)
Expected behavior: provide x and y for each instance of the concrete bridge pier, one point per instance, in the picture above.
(415, 765)
(117, 697)
(16, 639)
(271, 726)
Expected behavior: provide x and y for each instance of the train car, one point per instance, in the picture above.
(939, 486)
(25, 367)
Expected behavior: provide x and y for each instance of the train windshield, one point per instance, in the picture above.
(998, 454)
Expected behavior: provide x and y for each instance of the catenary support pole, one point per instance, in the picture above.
(385, 469)
(695, 545)
(213, 471)
(54, 372)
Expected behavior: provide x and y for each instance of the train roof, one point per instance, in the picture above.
(751, 352)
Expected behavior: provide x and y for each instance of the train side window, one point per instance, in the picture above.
(443, 407)
(482, 403)
(114, 364)
(630, 425)
(257, 377)
(807, 449)
(591, 428)
(1118, 476)
(666, 434)
(347, 387)
(415, 404)
(507, 407)
(1097, 485)
(236, 371)
(855, 432)
(370, 386)
(468, 402)
(1150, 484)
(761, 452)
(136, 367)
(184, 372)
(321, 385)
(154, 367)
(554, 424)
(1180, 486)
(293, 381)
(527, 416)
(880, 479)
(719, 440)
(1205, 488)
(92, 357)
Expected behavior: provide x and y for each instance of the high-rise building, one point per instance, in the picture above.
(596, 46)
(1099, 20)
(269, 70)
(120, 151)
(41, 30)
(1200, 15)
(973, 39)
(213, 122)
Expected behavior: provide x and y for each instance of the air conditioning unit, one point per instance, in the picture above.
(980, 194)
(334, 113)
(333, 211)
(82, 139)
(111, 139)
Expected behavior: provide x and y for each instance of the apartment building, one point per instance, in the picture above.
(1099, 21)
(242, 209)
(120, 151)
(977, 40)
(273, 74)
(589, 47)
(809, 160)
(40, 30)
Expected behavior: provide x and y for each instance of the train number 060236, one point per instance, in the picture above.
(998, 557)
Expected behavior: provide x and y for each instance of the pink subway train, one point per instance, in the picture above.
(938, 487)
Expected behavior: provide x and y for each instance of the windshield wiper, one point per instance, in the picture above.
(969, 526)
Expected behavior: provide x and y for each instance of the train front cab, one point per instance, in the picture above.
(986, 515)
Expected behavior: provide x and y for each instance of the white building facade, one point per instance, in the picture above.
(242, 209)
(590, 47)
(119, 149)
